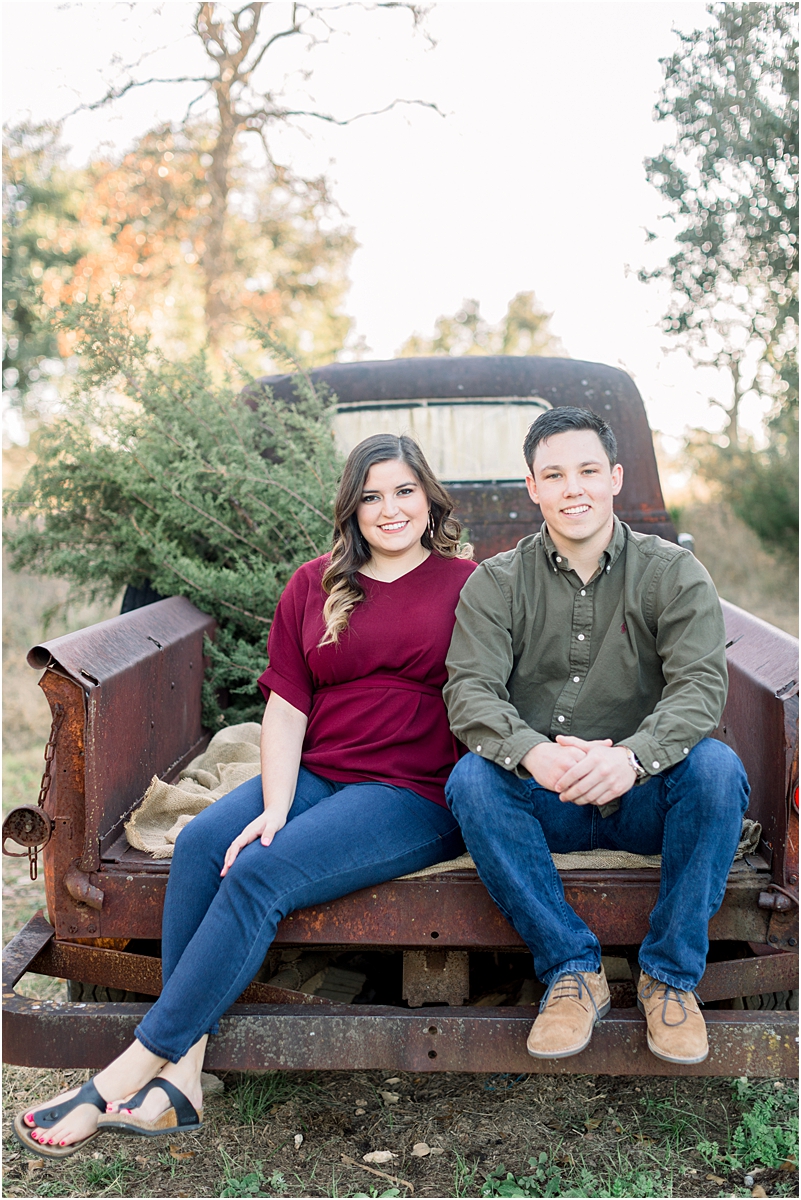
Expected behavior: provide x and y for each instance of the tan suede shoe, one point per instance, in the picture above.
(568, 1013)
(676, 1028)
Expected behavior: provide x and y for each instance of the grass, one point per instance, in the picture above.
(548, 1136)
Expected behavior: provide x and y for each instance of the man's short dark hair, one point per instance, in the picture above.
(564, 420)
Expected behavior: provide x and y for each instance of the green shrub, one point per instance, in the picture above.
(157, 473)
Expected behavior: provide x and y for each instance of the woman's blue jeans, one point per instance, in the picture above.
(216, 932)
(690, 814)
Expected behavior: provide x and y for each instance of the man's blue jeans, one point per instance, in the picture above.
(216, 932)
(690, 814)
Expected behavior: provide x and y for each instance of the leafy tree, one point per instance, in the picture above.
(244, 99)
(42, 242)
(155, 472)
(523, 330)
(730, 177)
(138, 227)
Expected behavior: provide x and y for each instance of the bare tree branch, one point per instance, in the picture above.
(283, 113)
(116, 93)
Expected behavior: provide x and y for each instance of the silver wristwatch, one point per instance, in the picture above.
(635, 764)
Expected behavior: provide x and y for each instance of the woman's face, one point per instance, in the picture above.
(393, 509)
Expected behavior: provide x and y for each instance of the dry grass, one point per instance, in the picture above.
(743, 571)
(604, 1137)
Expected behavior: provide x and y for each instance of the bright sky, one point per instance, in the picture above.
(533, 180)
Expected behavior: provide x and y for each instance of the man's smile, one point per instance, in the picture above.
(577, 510)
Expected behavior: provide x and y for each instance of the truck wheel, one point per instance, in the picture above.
(769, 1001)
(93, 993)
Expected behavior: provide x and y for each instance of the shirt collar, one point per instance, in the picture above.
(606, 559)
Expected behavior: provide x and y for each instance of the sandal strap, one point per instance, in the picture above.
(184, 1110)
(87, 1094)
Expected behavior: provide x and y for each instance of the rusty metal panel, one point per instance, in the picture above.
(356, 1037)
(429, 976)
(458, 912)
(436, 977)
(760, 721)
(141, 673)
(748, 977)
(453, 911)
(299, 1036)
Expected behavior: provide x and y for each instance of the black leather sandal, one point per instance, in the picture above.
(46, 1118)
(182, 1117)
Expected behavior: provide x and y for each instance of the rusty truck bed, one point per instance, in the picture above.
(126, 701)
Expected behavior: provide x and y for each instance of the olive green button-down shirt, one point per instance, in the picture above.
(637, 654)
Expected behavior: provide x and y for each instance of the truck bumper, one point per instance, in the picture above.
(54, 1033)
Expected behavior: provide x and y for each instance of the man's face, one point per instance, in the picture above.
(573, 484)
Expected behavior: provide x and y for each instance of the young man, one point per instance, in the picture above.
(586, 673)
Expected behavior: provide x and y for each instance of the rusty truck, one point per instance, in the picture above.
(448, 982)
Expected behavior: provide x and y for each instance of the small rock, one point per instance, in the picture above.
(360, 1112)
(748, 1181)
(395, 1079)
(210, 1084)
(421, 1149)
(298, 1140)
(379, 1156)
(360, 1103)
(390, 1097)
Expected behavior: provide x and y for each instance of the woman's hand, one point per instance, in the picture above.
(265, 827)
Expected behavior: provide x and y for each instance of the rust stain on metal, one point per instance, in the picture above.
(436, 977)
(748, 977)
(81, 888)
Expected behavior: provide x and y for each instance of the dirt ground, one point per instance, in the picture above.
(293, 1134)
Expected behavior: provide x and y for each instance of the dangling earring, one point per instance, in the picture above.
(431, 524)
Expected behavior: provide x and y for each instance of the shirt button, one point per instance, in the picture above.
(478, 749)
(561, 719)
(507, 761)
(581, 637)
(558, 559)
(583, 592)
(655, 765)
(686, 750)
(608, 569)
(576, 679)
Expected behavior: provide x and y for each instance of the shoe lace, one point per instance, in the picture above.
(571, 984)
(670, 994)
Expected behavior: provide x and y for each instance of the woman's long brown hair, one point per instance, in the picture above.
(350, 551)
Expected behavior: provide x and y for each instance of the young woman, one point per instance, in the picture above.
(355, 753)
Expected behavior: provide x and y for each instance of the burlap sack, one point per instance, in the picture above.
(232, 757)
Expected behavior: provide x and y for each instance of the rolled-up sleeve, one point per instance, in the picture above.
(288, 673)
(480, 662)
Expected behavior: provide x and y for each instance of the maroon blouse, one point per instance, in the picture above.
(374, 700)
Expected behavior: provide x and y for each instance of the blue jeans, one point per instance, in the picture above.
(216, 932)
(690, 814)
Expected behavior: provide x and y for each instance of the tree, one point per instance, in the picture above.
(523, 330)
(43, 240)
(240, 44)
(137, 226)
(730, 176)
(155, 473)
